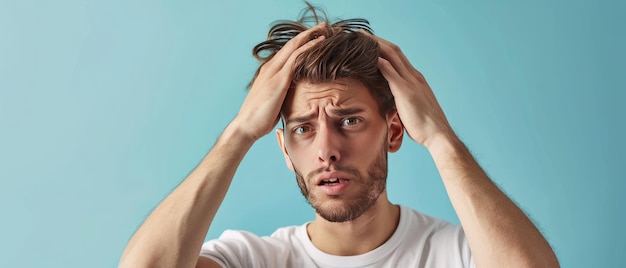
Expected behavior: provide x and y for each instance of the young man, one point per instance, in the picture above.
(346, 97)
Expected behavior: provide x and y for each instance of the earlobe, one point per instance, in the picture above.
(281, 143)
(395, 130)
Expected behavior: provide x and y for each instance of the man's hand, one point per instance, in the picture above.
(260, 111)
(173, 233)
(498, 232)
(417, 106)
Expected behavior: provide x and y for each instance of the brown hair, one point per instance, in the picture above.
(344, 53)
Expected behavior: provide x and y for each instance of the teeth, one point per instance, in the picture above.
(333, 180)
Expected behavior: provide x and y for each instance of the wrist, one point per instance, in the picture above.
(445, 144)
(235, 134)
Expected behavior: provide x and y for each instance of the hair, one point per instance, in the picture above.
(344, 53)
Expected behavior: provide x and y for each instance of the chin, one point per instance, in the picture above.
(338, 210)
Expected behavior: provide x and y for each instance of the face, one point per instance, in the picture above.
(336, 142)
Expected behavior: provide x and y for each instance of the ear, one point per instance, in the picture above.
(395, 131)
(281, 142)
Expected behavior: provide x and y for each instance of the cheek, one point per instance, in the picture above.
(370, 146)
(296, 154)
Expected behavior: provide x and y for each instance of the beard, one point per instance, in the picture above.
(372, 186)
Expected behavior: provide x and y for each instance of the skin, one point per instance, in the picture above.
(174, 232)
(499, 233)
(331, 140)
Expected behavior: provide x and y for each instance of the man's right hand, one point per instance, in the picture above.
(260, 110)
(174, 232)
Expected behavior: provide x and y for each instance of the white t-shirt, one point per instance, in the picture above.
(419, 241)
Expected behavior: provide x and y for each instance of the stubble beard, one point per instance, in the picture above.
(371, 188)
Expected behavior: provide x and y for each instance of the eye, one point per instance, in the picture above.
(301, 130)
(351, 121)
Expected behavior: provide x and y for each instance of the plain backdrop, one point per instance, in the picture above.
(105, 106)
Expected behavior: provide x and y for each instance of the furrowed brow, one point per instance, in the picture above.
(335, 112)
(347, 111)
(300, 119)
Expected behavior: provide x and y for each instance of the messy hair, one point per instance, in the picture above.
(344, 53)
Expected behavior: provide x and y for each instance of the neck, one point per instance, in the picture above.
(358, 236)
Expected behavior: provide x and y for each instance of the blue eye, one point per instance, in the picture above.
(350, 121)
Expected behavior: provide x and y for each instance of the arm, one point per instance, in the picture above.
(172, 235)
(498, 232)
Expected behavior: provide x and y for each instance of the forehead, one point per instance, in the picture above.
(344, 92)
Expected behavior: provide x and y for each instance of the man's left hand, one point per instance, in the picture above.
(417, 106)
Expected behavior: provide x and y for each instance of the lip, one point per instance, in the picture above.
(330, 175)
(336, 188)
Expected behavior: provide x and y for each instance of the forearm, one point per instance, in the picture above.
(498, 232)
(174, 232)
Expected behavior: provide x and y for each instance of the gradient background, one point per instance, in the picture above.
(105, 106)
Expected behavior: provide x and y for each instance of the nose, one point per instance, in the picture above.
(328, 142)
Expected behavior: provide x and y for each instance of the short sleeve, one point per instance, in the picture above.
(245, 249)
(451, 240)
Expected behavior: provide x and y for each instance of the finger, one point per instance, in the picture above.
(393, 54)
(287, 67)
(299, 40)
(390, 73)
(393, 49)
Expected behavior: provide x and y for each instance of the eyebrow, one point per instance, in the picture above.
(335, 112)
(346, 111)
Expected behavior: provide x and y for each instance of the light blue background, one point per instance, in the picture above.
(105, 106)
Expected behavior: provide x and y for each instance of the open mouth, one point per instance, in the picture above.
(332, 181)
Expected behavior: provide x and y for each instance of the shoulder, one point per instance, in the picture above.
(287, 233)
(236, 248)
(418, 222)
(440, 240)
(243, 241)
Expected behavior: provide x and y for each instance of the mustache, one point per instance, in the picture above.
(335, 167)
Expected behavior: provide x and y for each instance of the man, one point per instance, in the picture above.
(345, 97)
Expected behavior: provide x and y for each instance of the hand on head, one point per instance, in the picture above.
(421, 114)
(260, 110)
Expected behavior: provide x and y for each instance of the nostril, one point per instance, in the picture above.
(333, 158)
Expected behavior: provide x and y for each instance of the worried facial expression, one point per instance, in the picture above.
(336, 141)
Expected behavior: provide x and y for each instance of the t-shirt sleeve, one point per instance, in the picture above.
(245, 249)
(464, 249)
(451, 240)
